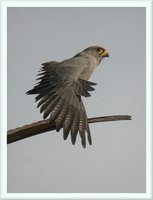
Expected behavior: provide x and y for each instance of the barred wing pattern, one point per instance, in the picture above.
(59, 95)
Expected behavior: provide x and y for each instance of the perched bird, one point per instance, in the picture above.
(59, 91)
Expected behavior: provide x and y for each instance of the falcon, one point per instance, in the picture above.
(60, 88)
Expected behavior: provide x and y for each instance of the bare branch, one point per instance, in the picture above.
(45, 125)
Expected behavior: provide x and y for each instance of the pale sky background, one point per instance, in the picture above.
(46, 163)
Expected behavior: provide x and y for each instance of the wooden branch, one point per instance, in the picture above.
(45, 125)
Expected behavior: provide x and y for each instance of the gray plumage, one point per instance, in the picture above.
(59, 91)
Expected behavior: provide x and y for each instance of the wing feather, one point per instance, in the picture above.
(75, 127)
(61, 117)
(59, 95)
(68, 122)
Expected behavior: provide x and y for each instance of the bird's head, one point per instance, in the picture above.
(96, 51)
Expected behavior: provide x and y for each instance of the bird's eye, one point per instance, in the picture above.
(100, 51)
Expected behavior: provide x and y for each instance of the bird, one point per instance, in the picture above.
(60, 88)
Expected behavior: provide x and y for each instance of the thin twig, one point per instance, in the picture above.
(45, 125)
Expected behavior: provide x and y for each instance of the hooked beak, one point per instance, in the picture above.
(105, 53)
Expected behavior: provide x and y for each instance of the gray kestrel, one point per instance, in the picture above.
(59, 91)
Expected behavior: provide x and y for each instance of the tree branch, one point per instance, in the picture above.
(45, 125)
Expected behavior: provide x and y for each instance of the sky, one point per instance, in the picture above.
(115, 163)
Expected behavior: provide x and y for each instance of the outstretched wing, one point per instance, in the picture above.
(59, 95)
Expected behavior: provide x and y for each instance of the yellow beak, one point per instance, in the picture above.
(105, 53)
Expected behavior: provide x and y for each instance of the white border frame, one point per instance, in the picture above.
(3, 93)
